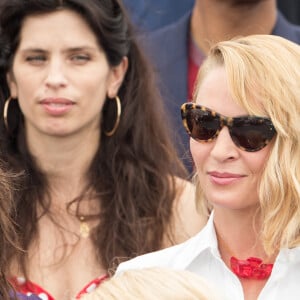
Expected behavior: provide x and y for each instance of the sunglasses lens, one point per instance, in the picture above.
(252, 134)
(202, 125)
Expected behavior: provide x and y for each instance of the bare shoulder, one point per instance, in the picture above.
(187, 221)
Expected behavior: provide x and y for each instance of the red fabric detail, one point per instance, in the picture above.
(91, 286)
(28, 287)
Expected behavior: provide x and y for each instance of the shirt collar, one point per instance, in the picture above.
(206, 240)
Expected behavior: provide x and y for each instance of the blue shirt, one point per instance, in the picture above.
(25, 297)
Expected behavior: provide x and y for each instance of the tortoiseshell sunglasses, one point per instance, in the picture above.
(249, 133)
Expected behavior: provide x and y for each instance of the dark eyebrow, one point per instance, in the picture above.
(72, 49)
(38, 50)
(76, 49)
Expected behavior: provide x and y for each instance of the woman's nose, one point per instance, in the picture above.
(55, 76)
(224, 147)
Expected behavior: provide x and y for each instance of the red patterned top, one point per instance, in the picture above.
(28, 288)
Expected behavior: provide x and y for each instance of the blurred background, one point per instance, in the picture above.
(291, 9)
(151, 14)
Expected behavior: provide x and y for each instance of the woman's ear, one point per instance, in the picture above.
(116, 78)
(12, 85)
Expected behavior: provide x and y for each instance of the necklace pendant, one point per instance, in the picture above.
(251, 268)
(84, 230)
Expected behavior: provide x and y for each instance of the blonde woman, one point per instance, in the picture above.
(245, 142)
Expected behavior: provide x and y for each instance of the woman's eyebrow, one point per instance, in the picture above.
(69, 49)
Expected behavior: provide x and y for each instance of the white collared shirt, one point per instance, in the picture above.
(200, 255)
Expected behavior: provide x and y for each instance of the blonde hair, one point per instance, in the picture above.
(263, 74)
(153, 283)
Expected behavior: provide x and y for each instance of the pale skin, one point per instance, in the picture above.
(218, 20)
(235, 202)
(61, 103)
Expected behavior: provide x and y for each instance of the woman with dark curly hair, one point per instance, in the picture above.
(83, 120)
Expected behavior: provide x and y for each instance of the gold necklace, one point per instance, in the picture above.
(84, 228)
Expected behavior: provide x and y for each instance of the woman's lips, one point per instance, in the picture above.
(57, 106)
(221, 178)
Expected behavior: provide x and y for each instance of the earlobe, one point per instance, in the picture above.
(116, 77)
(12, 85)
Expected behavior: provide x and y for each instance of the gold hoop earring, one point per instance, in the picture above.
(118, 117)
(5, 112)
